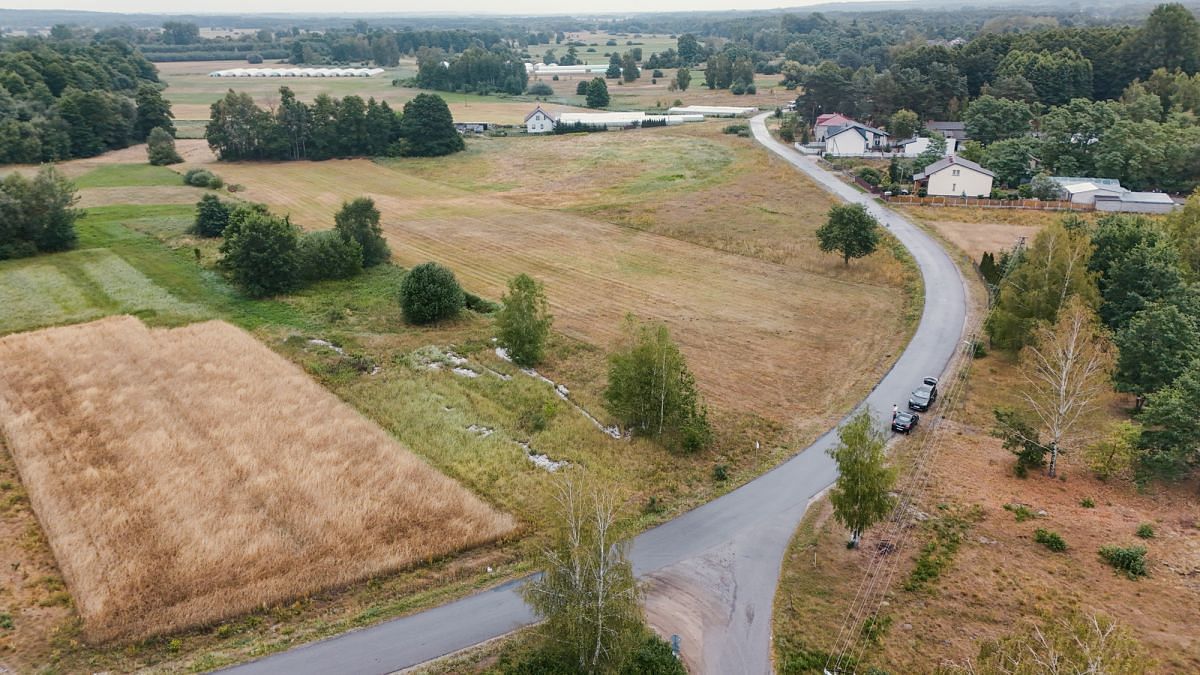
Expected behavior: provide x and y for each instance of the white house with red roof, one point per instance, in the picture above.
(826, 122)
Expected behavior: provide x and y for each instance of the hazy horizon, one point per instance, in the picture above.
(463, 7)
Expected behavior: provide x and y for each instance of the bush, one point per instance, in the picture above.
(653, 657)
(260, 252)
(751, 89)
(1050, 540)
(328, 255)
(1087, 503)
(540, 89)
(481, 305)
(720, 473)
(160, 148)
(36, 214)
(212, 217)
(1145, 531)
(430, 293)
(737, 90)
(254, 58)
(202, 178)
(656, 73)
(870, 175)
(1129, 560)
(736, 128)
(581, 88)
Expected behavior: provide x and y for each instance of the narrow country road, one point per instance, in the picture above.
(711, 573)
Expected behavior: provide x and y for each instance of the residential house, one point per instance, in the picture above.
(955, 130)
(826, 122)
(539, 122)
(919, 144)
(955, 177)
(854, 140)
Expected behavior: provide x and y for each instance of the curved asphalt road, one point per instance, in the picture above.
(712, 571)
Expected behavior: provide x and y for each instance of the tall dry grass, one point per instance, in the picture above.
(187, 475)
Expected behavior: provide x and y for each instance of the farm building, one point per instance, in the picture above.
(955, 130)
(549, 69)
(1136, 202)
(297, 72)
(471, 127)
(712, 110)
(955, 177)
(915, 146)
(541, 122)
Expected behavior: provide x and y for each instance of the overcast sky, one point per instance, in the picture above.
(401, 6)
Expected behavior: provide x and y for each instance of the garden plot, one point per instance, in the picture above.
(187, 475)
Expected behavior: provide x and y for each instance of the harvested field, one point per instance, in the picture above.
(746, 324)
(191, 474)
(138, 196)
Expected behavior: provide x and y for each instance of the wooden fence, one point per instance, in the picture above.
(983, 203)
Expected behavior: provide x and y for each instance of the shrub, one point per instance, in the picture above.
(555, 78)
(735, 128)
(737, 90)
(481, 305)
(524, 322)
(1145, 531)
(1021, 512)
(656, 73)
(254, 58)
(430, 293)
(751, 89)
(540, 89)
(260, 252)
(1050, 540)
(160, 148)
(36, 214)
(359, 220)
(1087, 503)
(581, 88)
(536, 417)
(870, 175)
(212, 216)
(653, 657)
(1129, 560)
(720, 473)
(328, 255)
(202, 178)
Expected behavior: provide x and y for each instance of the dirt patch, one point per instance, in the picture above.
(186, 475)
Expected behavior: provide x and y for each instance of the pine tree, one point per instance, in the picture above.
(428, 127)
(597, 93)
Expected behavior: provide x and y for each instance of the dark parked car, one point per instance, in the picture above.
(905, 421)
(924, 395)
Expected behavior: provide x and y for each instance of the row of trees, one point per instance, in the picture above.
(1092, 308)
(240, 130)
(64, 100)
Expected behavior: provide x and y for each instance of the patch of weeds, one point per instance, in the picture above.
(1130, 560)
(174, 645)
(1145, 531)
(6, 621)
(720, 473)
(1050, 540)
(875, 627)
(946, 535)
(1087, 503)
(1021, 512)
(536, 416)
(798, 658)
(653, 507)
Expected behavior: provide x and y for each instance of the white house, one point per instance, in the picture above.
(539, 122)
(853, 140)
(918, 144)
(955, 177)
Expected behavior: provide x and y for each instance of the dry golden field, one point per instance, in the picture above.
(750, 320)
(187, 475)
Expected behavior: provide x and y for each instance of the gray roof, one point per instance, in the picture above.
(946, 162)
(956, 130)
(1072, 180)
(857, 126)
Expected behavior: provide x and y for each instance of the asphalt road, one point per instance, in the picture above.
(711, 572)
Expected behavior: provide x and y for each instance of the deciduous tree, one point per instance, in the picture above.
(1075, 643)
(587, 594)
(430, 293)
(36, 215)
(427, 127)
(212, 217)
(160, 148)
(861, 497)
(259, 252)
(524, 322)
(904, 124)
(1155, 346)
(989, 119)
(850, 231)
(683, 78)
(1171, 433)
(358, 220)
(1066, 369)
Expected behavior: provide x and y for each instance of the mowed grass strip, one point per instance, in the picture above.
(187, 475)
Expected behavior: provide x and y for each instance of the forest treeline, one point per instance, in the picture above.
(60, 100)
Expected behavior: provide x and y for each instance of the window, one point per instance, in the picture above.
(954, 187)
(954, 172)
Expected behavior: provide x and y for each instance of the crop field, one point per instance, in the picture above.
(745, 322)
(185, 475)
(191, 92)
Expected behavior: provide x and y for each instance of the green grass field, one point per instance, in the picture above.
(127, 175)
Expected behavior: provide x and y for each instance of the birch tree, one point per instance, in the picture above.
(587, 594)
(1075, 643)
(1066, 368)
(861, 497)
